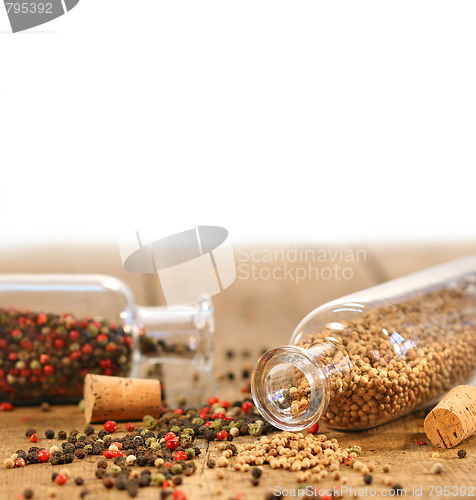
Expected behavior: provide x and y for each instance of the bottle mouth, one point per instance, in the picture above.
(289, 388)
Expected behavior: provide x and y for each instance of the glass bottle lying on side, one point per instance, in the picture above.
(375, 355)
(56, 328)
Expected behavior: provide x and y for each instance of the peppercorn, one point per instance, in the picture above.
(437, 468)
(80, 454)
(49, 434)
(368, 478)
(61, 479)
(45, 406)
(211, 463)
(61, 435)
(100, 473)
(28, 493)
(398, 490)
(89, 430)
(108, 481)
(461, 453)
(84, 493)
(254, 481)
(32, 458)
(29, 432)
(256, 472)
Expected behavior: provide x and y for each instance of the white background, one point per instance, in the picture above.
(337, 121)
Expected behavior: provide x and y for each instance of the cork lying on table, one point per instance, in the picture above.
(453, 419)
(120, 398)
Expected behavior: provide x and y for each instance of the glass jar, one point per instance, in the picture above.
(374, 355)
(56, 328)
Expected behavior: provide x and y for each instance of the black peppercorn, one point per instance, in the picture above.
(79, 481)
(68, 458)
(45, 406)
(33, 449)
(121, 483)
(29, 432)
(398, 490)
(32, 457)
(461, 453)
(80, 454)
(49, 434)
(256, 472)
(88, 430)
(84, 493)
(28, 493)
(102, 434)
(108, 481)
(61, 435)
(53, 475)
(100, 473)
(177, 480)
(254, 481)
(368, 478)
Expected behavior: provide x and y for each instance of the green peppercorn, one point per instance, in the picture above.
(254, 429)
(190, 452)
(181, 401)
(198, 421)
(177, 469)
(157, 479)
(175, 429)
(114, 470)
(356, 449)
(188, 430)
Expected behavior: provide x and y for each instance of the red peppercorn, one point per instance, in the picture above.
(75, 355)
(61, 479)
(101, 338)
(87, 348)
(117, 445)
(117, 453)
(5, 406)
(207, 424)
(221, 435)
(178, 410)
(107, 454)
(229, 419)
(314, 429)
(213, 416)
(166, 483)
(220, 415)
(41, 319)
(48, 370)
(421, 443)
(34, 438)
(44, 359)
(130, 427)
(246, 406)
(169, 436)
(212, 400)
(16, 333)
(225, 404)
(180, 455)
(326, 497)
(172, 444)
(59, 343)
(74, 335)
(19, 462)
(110, 426)
(43, 455)
(179, 495)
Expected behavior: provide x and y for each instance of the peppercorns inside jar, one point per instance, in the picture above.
(56, 328)
(375, 355)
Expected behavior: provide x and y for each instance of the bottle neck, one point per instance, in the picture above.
(292, 386)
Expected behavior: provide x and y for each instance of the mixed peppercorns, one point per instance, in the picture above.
(46, 356)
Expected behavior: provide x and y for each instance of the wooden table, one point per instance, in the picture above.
(250, 315)
(394, 444)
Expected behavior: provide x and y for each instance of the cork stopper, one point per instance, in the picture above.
(453, 419)
(120, 398)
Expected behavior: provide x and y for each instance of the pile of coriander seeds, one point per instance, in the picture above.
(400, 356)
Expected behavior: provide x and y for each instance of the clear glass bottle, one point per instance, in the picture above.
(55, 328)
(374, 355)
